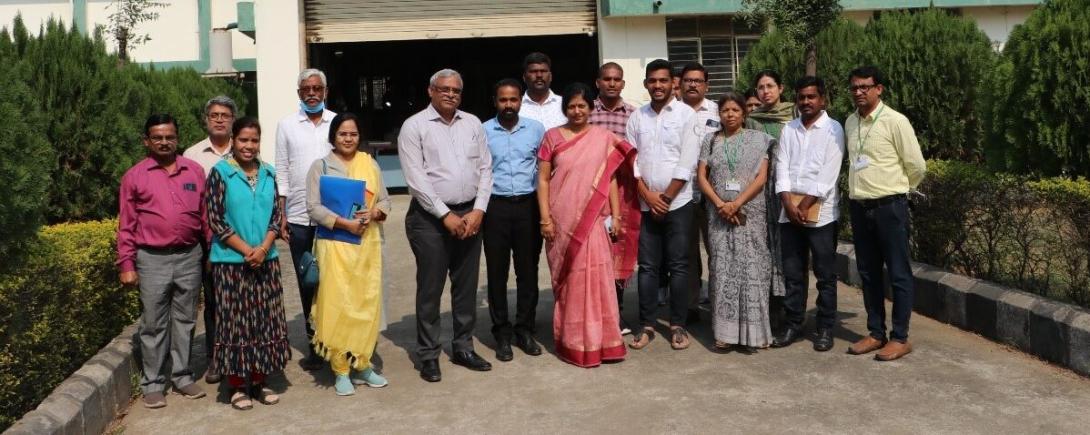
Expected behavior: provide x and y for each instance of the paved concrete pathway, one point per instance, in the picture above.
(955, 383)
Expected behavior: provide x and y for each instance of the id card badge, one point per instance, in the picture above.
(734, 186)
(860, 163)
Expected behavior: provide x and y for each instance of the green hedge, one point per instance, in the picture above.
(1027, 233)
(57, 309)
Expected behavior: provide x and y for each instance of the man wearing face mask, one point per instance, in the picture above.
(300, 141)
(510, 227)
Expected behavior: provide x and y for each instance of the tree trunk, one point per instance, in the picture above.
(811, 59)
(123, 45)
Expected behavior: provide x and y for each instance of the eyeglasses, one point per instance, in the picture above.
(162, 139)
(693, 81)
(448, 90)
(313, 89)
(220, 116)
(864, 88)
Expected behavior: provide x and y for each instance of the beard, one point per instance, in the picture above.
(507, 114)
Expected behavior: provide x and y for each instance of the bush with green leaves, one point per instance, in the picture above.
(1040, 102)
(57, 309)
(935, 64)
(26, 156)
(94, 108)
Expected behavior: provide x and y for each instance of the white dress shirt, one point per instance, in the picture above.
(705, 122)
(206, 155)
(808, 162)
(662, 154)
(299, 143)
(549, 113)
(445, 164)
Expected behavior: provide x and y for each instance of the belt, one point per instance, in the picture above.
(168, 249)
(516, 198)
(878, 202)
(459, 206)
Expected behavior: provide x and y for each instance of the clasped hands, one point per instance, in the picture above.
(796, 214)
(730, 211)
(465, 226)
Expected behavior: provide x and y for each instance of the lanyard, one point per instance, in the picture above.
(732, 152)
(858, 128)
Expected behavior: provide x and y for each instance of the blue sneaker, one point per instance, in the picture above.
(369, 378)
(344, 386)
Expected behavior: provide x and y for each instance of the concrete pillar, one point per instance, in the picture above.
(632, 42)
(281, 54)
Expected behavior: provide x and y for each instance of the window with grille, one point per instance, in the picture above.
(719, 43)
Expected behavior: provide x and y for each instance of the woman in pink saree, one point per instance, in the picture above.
(590, 220)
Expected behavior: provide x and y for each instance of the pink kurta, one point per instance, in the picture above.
(581, 256)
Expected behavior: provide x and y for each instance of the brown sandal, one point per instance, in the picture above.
(679, 339)
(642, 338)
(241, 401)
(266, 395)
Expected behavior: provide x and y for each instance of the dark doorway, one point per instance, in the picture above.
(386, 82)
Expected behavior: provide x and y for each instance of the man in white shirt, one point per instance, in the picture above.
(219, 114)
(540, 103)
(694, 88)
(807, 166)
(301, 139)
(664, 170)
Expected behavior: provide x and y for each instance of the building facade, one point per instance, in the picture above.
(378, 54)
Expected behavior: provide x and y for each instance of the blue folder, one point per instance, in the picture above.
(340, 195)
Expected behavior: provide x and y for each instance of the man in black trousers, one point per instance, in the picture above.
(448, 168)
(511, 226)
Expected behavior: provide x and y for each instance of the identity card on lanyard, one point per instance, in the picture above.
(861, 161)
(733, 148)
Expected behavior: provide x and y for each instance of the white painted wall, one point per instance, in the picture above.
(174, 35)
(224, 13)
(632, 43)
(35, 13)
(281, 53)
(998, 21)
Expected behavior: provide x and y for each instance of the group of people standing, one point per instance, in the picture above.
(604, 186)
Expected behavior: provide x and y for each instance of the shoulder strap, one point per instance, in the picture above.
(324, 168)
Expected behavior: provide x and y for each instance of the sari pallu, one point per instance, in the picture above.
(583, 261)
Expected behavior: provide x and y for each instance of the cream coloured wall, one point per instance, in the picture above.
(174, 35)
(224, 13)
(632, 43)
(35, 13)
(998, 21)
(281, 52)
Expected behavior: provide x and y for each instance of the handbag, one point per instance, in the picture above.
(308, 264)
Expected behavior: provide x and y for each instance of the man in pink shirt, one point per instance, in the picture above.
(160, 229)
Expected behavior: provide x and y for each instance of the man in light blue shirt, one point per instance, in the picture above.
(511, 225)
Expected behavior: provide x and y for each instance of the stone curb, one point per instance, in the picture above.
(90, 398)
(1054, 331)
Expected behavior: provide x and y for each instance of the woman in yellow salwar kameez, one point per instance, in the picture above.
(347, 311)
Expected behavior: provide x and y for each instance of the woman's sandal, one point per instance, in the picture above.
(679, 338)
(266, 395)
(241, 401)
(722, 346)
(642, 338)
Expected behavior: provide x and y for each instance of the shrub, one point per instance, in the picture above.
(57, 310)
(1041, 107)
(936, 85)
(1029, 234)
(97, 107)
(26, 155)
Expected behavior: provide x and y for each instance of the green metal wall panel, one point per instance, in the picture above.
(637, 8)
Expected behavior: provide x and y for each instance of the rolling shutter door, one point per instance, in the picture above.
(391, 20)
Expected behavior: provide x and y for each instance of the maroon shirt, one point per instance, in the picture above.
(159, 210)
(614, 120)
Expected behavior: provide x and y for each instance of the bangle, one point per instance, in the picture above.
(266, 251)
(545, 223)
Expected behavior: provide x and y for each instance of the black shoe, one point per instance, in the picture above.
(824, 340)
(429, 370)
(503, 350)
(790, 335)
(471, 360)
(527, 344)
